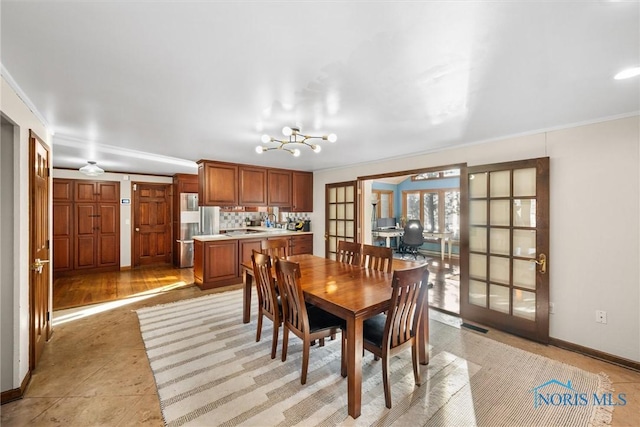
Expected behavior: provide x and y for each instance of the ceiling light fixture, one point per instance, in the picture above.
(628, 73)
(91, 169)
(295, 137)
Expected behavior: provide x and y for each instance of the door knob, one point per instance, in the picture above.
(137, 229)
(541, 262)
(38, 264)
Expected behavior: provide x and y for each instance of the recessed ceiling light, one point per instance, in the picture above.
(628, 73)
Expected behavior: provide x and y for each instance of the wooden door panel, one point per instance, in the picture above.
(85, 191)
(85, 252)
(253, 186)
(221, 261)
(108, 191)
(107, 255)
(86, 219)
(108, 219)
(62, 236)
(279, 193)
(62, 190)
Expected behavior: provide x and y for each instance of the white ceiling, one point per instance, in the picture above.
(151, 86)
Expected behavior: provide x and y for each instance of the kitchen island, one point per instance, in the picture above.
(217, 257)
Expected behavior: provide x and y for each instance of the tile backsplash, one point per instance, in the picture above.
(230, 220)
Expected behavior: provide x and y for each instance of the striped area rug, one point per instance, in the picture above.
(209, 371)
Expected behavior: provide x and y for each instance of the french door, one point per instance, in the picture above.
(341, 215)
(505, 242)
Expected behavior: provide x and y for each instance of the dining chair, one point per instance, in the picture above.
(387, 334)
(307, 322)
(268, 301)
(349, 252)
(377, 257)
(276, 248)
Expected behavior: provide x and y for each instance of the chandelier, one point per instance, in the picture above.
(295, 137)
(91, 169)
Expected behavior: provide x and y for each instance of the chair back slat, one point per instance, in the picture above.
(377, 257)
(293, 306)
(407, 303)
(349, 252)
(275, 248)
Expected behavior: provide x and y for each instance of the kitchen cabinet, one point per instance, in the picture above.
(86, 225)
(253, 186)
(217, 184)
(302, 244)
(216, 263)
(246, 248)
(232, 185)
(279, 191)
(302, 191)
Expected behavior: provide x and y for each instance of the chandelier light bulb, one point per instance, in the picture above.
(287, 131)
(332, 137)
(316, 148)
(296, 153)
(266, 138)
(259, 149)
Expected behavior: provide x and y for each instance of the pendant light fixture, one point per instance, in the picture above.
(91, 169)
(295, 137)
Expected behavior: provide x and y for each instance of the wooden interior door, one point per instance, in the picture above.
(505, 242)
(39, 278)
(341, 215)
(152, 224)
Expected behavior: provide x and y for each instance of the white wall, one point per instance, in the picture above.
(126, 181)
(595, 216)
(18, 113)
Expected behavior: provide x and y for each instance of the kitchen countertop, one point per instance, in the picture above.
(250, 233)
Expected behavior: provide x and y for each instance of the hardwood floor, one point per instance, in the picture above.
(92, 288)
(95, 369)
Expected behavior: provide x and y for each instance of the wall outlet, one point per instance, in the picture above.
(552, 308)
(601, 316)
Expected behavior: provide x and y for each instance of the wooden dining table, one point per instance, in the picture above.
(351, 292)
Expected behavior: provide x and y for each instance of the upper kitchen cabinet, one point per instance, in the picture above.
(217, 184)
(302, 192)
(185, 183)
(279, 192)
(253, 186)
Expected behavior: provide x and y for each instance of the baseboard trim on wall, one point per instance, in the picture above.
(125, 268)
(16, 393)
(596, 354)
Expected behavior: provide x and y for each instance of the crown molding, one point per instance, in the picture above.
(23, 96)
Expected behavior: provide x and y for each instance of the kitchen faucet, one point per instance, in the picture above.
(273, 223)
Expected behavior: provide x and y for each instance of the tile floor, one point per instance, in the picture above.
(94, 371)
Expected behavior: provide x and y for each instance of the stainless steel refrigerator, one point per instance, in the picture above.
(189, 227)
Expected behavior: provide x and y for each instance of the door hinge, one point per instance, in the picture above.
(135, 187)
(48, 316)
(47, 245)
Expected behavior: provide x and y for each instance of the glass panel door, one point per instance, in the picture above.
(341, 216)
(505, 283)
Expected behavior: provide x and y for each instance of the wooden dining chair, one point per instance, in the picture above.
(377, 257)
(386, 335)
(307, 322)
(349, 252)
(268, 301)
(276, 248)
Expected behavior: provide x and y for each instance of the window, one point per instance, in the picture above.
(436, 175)
(384, 207)
(437, 210)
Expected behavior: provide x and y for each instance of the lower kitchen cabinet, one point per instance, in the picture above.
(216, 263)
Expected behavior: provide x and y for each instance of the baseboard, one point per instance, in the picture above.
(16, 393)
(125, 268)
(596, 354)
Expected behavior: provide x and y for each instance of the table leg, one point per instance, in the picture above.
(449, 244)
(388, 242)
(354, 366)
(442, 248)
(247, 280)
